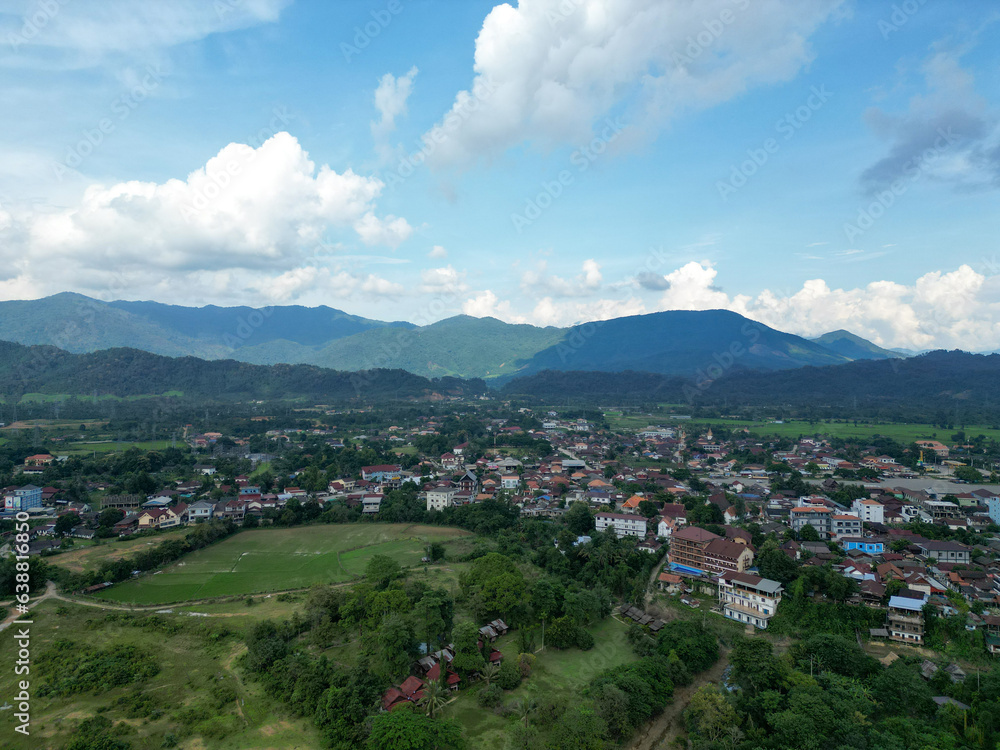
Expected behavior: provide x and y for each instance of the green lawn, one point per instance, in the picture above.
(191, 664)
(277, 559)
(562, 673)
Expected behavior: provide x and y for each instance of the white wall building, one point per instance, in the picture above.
(869, 511)
(623, 524)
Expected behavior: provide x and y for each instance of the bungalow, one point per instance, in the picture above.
(410, 691)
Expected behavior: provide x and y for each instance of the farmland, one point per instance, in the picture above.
(197, 690)
(902, 432)
(85, 558)
(264, 560)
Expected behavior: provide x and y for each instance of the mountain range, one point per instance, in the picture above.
(685, 343)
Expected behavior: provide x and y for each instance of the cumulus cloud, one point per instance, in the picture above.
(437, 252)
(390, 101)
(585, 283)
(553, 70)
(942, 309)
(268, 210)
(444, 280)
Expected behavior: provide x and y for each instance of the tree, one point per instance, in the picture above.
(489, 673)
(968, 474)
(579, 519)
(66, 523)
(509, 675)
(773, 563)
(709, 714)
(468, 659)
(435, 698)
(382, 570)
(395, 647)
(428, 616)
(109, 517)
(403, 729)
(562, 632)
(808, 533)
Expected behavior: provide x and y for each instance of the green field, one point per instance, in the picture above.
(194, 657)
(85, 557)
(562, 673)
(280, 559)
(906, 433)
(108, 446)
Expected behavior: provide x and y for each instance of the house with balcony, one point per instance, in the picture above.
(905, 617)
(624, 524)
(749, 598)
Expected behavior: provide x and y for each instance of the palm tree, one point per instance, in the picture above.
(435, 697)
(525, 708)
(489, 672)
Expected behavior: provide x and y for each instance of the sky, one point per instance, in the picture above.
(812, 164)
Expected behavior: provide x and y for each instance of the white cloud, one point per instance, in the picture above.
(555, 69)
(62, 34)
(586, 283)
(269, 211)
(390, 101)
(437, 252)
(486, 304)
(444, 280)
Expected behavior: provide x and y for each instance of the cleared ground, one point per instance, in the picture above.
(86, 557)
(264, 560)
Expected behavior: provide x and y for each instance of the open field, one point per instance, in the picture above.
(109, 446)
(263, 560)
(45, 398)
(556, 672)
(194, 657)
(793, 428)
(86, 557)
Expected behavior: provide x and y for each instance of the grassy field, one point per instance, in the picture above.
(278, 559)
(109, 446)
(555, 672)
(193, 661)
(88, 557)
(793, 428)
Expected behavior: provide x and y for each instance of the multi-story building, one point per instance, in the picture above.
(843, 526)
(687, 549)
(700, 552)
(390, 476)
(816, 516)
(951, 552)
(722, 556)
(749, 598)
(869, 511)
(622, 523)
(510, 482)
(23, 498)
(905, 619)
(439, 498)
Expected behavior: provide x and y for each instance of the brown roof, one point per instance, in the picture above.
(694, 534)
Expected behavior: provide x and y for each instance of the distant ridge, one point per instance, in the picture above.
(854, 347)
(678, 342)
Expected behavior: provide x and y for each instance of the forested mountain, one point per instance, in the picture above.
(936, 382)
(854, 347)
(130, 372)
(80, 324)
(677, 342)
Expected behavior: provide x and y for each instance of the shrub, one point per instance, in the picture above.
(490, 697)
(509, 676)
(584, 640)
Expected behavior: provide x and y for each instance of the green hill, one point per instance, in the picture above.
(854, 347)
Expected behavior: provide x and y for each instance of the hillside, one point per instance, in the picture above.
(130, 372)
(854, 347)
(80, 324)
(463, 346)
(936, 383)
(680, 342)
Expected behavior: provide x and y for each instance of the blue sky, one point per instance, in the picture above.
(812, 164)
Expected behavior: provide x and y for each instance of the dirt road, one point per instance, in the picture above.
(661, 731)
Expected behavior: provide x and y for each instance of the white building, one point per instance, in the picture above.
(623, 524)
(748, 598)
(440, 498)
(510, 481)
(869, 511)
